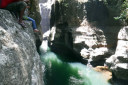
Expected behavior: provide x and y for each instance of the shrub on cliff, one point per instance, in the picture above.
(122, 6)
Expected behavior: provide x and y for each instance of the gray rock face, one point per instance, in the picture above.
(118, 62)
(19, 61)
(77, 24)
(89, 42)
(86, 25)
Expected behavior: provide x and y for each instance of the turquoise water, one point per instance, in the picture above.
(58, 72)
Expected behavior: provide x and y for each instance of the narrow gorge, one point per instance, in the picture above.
(80, 43)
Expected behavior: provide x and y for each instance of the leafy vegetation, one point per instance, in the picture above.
(122, 6)
(124, 12)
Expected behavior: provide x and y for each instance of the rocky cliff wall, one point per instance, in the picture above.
(79, 24)
(88, 28)
(118, 62)
(19, 61)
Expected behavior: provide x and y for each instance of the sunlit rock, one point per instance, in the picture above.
(76, 23)
(110, 61)
(81, 1)
(118, 62)
(90, 42)
(123, 34)
(19, 61)
(121, 70)
(105, 72)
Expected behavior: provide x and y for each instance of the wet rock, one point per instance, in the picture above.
(107, 74)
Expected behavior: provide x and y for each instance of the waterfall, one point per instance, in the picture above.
(45, 11)
(57, 71)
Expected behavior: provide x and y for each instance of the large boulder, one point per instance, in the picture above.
(19, 61)
(90, 42)
(118, 62)
(78, 25)
(107, 74)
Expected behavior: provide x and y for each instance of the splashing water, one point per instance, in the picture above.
(58, 72)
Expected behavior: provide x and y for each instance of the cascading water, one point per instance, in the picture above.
(57, 71)
(45, 11)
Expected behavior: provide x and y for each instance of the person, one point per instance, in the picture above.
(18, 6)
(25, 17)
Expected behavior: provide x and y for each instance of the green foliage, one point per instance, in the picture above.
(125, 4)
(120, 5)
(124, 12)
(111, 2)
(66, 4)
